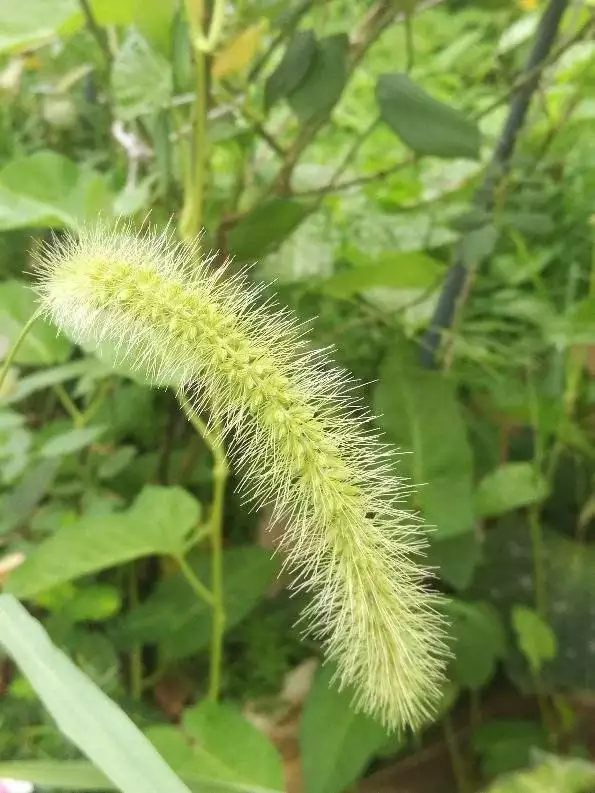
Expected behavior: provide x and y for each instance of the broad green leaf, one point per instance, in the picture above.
(29, 23)
(321, 88)
(535, 637)
(552, 775)
(48, 189)
(421, 415)
(510, 486)
(42, 345)
(81, 710)
(226, 746)
(114, 12)
(265, 227)
(141, 78)
(70, 442)
(293, 67)
(478, 642)
(76, 775)
(335, 741)
(399, 270)
(175, 619)
(157, 523)
(425, 124)
(55, 375)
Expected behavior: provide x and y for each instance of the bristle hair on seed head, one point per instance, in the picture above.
(292, 426)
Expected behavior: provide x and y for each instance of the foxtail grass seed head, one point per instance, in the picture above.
(293, 428)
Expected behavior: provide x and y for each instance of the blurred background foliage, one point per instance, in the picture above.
(347, 147)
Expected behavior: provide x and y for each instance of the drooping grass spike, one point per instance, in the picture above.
(291, 426)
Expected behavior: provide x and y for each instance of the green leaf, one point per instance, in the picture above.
(425, 124)
(478, 642)
(142, 79)
(42, 345)
(510, 486)
(536, 639)
(227, 747)
(39, 381)
(264, 228)
(31, 22)
(157, 523)
(48, 189)
(70, 442)
(114, 12)
(504, 746)
(335, 741)
(81, 710)
(455, 558)
(174, 618)
(324, 82)
(398, 270)
(421, 415)
(76, 775)
(552, 775)
(293, 67)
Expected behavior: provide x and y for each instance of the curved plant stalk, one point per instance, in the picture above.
(302, 442)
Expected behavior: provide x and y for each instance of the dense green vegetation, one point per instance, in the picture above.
(347, 147)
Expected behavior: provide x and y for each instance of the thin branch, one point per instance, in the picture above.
(456, 280)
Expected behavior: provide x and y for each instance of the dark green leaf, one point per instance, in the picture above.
(323, 85)
(175, 619)
(478, 642)
(292, 68)
(265, 228)
(81, 710)
(510, 486)
(455, 558)
(421, 415)
(425, 124)
(507, 745)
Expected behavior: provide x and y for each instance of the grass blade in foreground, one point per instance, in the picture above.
(81, 710)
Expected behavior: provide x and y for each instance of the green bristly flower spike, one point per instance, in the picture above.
(291, 427)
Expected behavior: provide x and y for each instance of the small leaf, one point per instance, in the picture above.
(455, 558)
(426, 125)
(42, 345)
(142, 79)
(536, 639)
(399, 270)
(55, 375)
(157, 523)
(70, 442)
(239, 51)
(263, 229)
(335, 741)
(510, 486)
(81, 710)
(324, 82)
(293, 67)
(504, 746)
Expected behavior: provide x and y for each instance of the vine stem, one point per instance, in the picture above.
(212, 439)
(10, 356)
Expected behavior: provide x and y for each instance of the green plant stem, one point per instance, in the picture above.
(10, 355)
(213, 440)
(136, 661)
(193, 581)
(69, 406)
(192, 213)
(456, 757)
